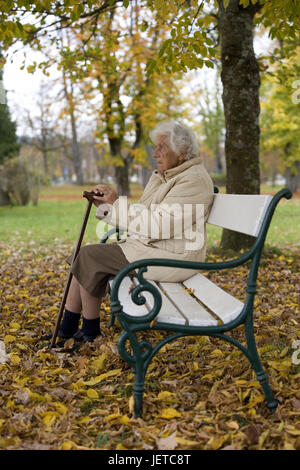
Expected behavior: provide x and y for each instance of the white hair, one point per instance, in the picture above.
(182, 139)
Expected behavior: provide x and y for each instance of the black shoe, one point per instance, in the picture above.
(81, 337)
(60, 340)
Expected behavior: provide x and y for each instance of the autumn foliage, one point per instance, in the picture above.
(200, 393)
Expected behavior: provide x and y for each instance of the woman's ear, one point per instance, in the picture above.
(182, 157)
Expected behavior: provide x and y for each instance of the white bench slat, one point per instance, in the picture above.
(168, 312)
(125, 298)
(195, 313)
(224, 305)
(239, 212)
(183, 309)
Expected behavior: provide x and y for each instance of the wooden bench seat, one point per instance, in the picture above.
(195, 302)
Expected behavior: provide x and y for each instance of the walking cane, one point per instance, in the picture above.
(89, 196)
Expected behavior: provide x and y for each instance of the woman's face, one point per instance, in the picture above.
(165, 157)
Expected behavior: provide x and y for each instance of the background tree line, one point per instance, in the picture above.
(106, 50)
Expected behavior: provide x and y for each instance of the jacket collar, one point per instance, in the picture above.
(168, 174)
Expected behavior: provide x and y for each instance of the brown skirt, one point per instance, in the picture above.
(96, 264)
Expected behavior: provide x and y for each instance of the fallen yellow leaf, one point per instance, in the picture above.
(121, 447)
(9, 339)
(208, 376)
(217, 442)
(84, 419)
(91, 393)
(124, 420)
(293, 431)
(217, 353)
(131, 404)
(112, 416)
(61, 408)
(233, 425)
(101, 377)
(49, 417)
(15, 325)
(186, 442)
(288, 446)
(15, 359)
(263, 437)
(241, 382)
(164, 395)
(170, 413)
(67, 445)
(98, 364)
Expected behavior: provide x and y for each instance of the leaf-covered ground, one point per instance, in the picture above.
(201, 392)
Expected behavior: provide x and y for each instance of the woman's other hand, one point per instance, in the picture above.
(104, 195)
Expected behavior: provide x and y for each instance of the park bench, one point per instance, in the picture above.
(196, 306)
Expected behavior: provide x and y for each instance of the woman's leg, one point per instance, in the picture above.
(73, 302)
(91, 317)
(71, 318)
(92, 268)
(90, 304)
(79, 299)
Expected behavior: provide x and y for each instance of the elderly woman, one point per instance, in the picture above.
(177, 188)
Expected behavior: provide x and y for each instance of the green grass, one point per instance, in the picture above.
(60, 221)
(74, 192)
(46, 222)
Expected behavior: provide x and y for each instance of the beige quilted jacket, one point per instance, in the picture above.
(168, 221)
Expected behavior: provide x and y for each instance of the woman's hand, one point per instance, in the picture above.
(108, 195)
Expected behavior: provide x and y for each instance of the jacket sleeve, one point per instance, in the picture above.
(178, 211)
(115, 214)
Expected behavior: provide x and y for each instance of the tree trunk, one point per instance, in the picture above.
(241, 82)
(122, 179)
(292, 177)
(76, 151)
(148, 170)
(4, 198)
(121, 172)
(75, 147)
(218, 160)
(98, 157)
(45, 161)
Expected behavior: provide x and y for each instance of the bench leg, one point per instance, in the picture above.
(111, 321)
(143, 354)
(261, 375)
(272, 403)
(138, 390)
(137, 359)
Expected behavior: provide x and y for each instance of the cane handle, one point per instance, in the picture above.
(89, 195)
